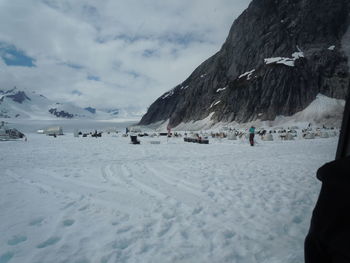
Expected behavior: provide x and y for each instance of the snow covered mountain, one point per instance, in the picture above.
(15, 103)
(131, 112)
(278, 57)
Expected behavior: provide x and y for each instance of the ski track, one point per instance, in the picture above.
(106, 201)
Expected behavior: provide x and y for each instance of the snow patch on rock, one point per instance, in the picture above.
(214, 104)
(168, 94)
(247, 74)
(221, 89)
(285, 61)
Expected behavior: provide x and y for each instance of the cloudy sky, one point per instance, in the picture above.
(108, 53)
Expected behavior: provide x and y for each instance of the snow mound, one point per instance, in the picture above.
(204, 124)
(322, 110)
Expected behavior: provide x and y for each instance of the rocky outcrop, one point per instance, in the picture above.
(61, 113)
(277, 57)
(91, 110)
(19, 97)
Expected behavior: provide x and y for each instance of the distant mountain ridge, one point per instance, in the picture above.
(278, 57)
(15, 103)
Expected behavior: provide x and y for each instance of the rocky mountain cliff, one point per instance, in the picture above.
(278, 56)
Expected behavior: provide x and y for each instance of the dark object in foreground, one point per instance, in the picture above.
(165, 134)
(134, 139)
(328, 240)
(197, 140)
(251, 139)
(96, 134)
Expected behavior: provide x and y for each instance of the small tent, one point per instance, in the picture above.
(3, 134)
(309, 136)
(268, 137)
(52, 131)
(332, 133)
(324, 134)
(232, 136)
(289, 137)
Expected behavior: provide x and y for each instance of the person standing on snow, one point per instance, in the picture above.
(251, 135)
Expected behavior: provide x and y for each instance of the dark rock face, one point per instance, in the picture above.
(277, 57)
(91, 110)
(61, 114)
(19, 97)
(113, 111)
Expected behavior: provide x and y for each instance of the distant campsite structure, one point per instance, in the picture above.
(7, 133)
(52, 131)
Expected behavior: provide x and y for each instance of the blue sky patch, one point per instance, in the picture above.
(15, 57)
(149, 53)
(95, 78)
(77, 92)
(182, 39)
(74, 66)
(132, 73)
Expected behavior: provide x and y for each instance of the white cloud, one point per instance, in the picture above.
(135, 50)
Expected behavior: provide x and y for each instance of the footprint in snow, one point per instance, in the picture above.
(168, 215)
(36, 221)
(121, 244)
(229, 234)
(83, 208)
(49, 242)
(15, 240)
(69, 205)
(68, 222)
(297, 220)
(165, 229)
(124, 229)
(6, 257)
(211, 194)
(197, 210)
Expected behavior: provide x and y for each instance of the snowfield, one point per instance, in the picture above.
(104, 200)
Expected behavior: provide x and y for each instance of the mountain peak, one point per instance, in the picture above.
(19, 96)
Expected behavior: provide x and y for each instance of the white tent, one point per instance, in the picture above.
(332, 133)
(324, 134)
(289, 137)
(3, 134)
(268, 137)
(232, 136)
(76, 133)
(309, 136)
(56, 130)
